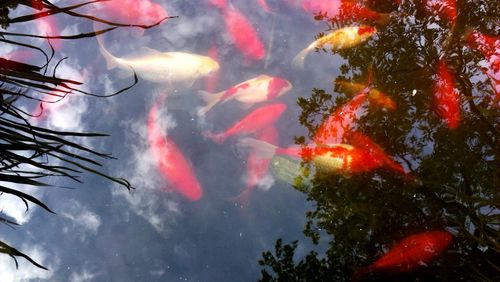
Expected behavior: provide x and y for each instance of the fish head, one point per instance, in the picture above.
(277, 87)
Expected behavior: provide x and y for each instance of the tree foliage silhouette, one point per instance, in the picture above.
(456, 171)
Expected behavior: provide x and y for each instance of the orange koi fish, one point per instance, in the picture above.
(253, 122)
(170, 161)
(375, 96)
(412, 252)
(446, 96)
(241, 32)
(132, 11)
(259, 89)
(257, 166)
(350, 10)
(343, 38)
(489, 46)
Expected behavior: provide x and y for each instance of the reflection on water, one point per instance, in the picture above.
(384, 114)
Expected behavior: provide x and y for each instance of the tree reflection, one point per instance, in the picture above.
(456, 171)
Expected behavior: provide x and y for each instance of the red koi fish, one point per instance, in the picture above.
(172, 165)
(259, 89)
(257, 166)
(47, 26)
(410, 253)
(212, 80)
(253, 122)
(350, 10)
(446, 96)
(445, 9)
(330, 7)
(132, 11)
(489, 46)
(241, 32)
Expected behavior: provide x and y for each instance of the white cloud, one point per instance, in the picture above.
(82, 219)
(83, 276)
(26, 270)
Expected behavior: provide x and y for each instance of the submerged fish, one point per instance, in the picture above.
(132, 11)
(343, 38)
(212, 80)
(447, 100)
(171, 68)
(170, 161)
(242, 33)
(489, 46)
(264, 5)
(47, 26)
(252, 91)
(412, 252)
(375, 96)
(327, 158)
(255, 121)
(257, 166)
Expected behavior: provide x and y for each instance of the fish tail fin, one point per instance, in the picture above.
(261, 148)
(211, 99)
(217, 138)
(299, 60)
(243, 198)
(110, 59)
(361, 273)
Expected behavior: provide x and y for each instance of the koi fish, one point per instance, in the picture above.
(332, 130)
(241, 32)
(446, 97)
(255, 121)
(259, 89)
(47, 26)
(326, 7)
(350, 10)
(168, 67)
(489, 46)
(375, 96)
(328, 158)
(264, 5)
(343, 38)
(132, 11)
(257, 167)
(170, 161)
(410, 253)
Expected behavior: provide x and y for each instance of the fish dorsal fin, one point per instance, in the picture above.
(262, 77)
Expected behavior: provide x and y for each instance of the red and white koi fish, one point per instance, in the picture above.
(170, 161)
(242, 33)
(257, 166)
(255, 121)
(446, 97)
(259, 89)
(343, 38)
(489, 46)
(412, 252)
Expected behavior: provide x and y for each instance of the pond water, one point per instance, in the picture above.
(365, 130)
